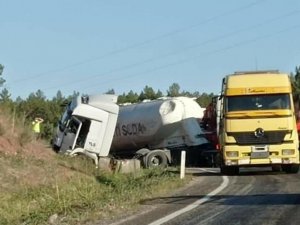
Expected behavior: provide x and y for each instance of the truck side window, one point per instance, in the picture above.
(72, 126)
(83, 132)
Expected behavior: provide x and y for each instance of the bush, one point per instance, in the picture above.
(47, 131)
(2, 130)
(25, 137)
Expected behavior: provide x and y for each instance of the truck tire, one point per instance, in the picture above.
(276, 168)
(230, 170)
(156, 158)
(292, 168)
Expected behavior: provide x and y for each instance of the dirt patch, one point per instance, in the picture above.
(7, 146)
(18, 139)
(27, 161)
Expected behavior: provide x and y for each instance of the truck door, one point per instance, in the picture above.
(71, 134)
(95, 137)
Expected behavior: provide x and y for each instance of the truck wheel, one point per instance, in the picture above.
(156, 158)
(276, 168)
(230, 170)
(293, 168)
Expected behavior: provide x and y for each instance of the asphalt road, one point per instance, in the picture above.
(256, 196)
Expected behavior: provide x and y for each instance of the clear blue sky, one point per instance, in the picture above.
(91, 46)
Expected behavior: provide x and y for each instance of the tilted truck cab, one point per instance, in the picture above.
(153, 132)
(87, 126)
(257, 122)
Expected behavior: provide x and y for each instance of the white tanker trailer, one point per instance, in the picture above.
(154, 132)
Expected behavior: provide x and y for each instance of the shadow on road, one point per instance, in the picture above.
(247, 200)
(255, 171)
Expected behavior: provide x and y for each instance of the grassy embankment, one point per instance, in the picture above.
(39, 187)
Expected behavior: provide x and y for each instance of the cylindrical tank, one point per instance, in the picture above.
(167, 123)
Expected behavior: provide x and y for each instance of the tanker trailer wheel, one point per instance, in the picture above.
(156, 158)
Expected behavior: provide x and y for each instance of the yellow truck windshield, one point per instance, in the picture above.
(258, 102)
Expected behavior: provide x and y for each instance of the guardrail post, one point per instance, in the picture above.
(182, 164)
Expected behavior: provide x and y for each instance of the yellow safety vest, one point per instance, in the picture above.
(36, 127)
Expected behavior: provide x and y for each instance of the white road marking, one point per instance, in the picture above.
(194, 204)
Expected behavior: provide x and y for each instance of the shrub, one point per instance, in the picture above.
(25, 137)
(2, 130)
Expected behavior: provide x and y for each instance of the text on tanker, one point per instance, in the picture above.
(130, 129)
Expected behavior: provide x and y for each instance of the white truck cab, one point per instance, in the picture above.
(87, 126)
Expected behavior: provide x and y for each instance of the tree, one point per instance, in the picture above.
(147, 93)
(204, 99)
(59, 100)
(110, 92)
(296, 87)
(132, 97)
(296, 81)
(5, 96)
(173, 90)
(5, 100)
(187, 94)
(38, 95)
(59, 97)
(35, 106)
(122, 98)
(2, 81)
(19, 100)
(159, 94)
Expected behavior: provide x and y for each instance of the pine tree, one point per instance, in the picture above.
(2, 81)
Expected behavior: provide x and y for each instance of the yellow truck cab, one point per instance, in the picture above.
(257, 122)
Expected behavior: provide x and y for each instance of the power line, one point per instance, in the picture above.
(178, 62)
(199, 56)
(145, 42)
(221, 37)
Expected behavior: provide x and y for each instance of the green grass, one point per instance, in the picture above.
(73, 189)
(36, 184)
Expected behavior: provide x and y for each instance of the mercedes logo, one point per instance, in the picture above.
(259, 132)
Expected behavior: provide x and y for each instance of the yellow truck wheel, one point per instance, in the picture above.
(230, 170)
(291, 168)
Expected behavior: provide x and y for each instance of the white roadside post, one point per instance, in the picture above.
(182, 165)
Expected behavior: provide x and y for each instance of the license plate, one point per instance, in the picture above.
(259, 155)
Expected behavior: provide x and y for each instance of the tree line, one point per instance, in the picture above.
(37, 105)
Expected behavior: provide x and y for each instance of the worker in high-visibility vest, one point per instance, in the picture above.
(36, 128)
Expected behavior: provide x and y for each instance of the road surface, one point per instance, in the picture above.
(256, 196)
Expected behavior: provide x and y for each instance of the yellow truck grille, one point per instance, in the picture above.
(249, 138)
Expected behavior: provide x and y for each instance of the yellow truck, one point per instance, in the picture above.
(257, 122)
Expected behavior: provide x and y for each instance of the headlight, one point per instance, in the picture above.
(232, 154)
(288, 151)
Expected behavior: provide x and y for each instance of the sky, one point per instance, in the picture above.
(92, 46)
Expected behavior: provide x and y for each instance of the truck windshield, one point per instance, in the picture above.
(258, 102)
(63, 122)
